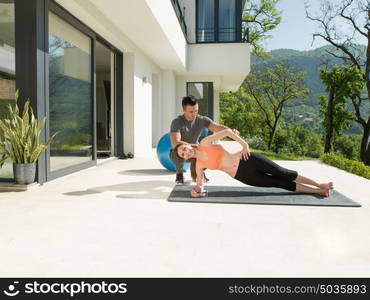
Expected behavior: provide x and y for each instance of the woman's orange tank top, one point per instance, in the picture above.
(215, 154)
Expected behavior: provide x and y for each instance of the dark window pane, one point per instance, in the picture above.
(7, 68)
(226, 21)
(70, 97)
(206, 21)
(104, 101)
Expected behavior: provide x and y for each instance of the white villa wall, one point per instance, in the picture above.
(168, 99)
(142, 108)
(137, 101)
(157, 109)
(149, 107)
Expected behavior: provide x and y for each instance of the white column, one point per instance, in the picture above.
(157, 110)
(128, 102)
(168, 99)
(143, 107)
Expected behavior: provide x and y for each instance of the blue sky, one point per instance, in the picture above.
(295, 30)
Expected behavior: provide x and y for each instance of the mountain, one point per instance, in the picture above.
(306, 111)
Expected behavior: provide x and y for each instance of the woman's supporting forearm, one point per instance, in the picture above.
(200, 180)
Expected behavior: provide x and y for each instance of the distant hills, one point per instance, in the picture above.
(306, 112)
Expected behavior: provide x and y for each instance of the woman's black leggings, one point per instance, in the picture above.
(258, 170)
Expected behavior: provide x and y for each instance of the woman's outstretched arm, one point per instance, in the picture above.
(220, 135)
(227, 133)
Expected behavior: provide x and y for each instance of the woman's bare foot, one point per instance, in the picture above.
(301, 188)
(327, 186)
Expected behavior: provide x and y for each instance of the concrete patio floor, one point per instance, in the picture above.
(114, 220)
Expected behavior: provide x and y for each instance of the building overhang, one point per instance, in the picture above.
(230, 61)
(151, 26)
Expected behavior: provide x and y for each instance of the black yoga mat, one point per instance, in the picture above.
(259, 195)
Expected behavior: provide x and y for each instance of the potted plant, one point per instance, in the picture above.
(20, 141)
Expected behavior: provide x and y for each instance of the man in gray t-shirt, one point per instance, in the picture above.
(188, 128)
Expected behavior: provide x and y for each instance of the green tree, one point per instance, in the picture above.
(293, 139)
(353, 15)
(237, 111)
(271, 89)
(341, 83)
(348, 146)
(260, 17)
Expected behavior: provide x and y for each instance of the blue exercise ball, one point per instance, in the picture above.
(163, 153)
(204, 132)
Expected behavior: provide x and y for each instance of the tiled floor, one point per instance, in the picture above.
(114, 220)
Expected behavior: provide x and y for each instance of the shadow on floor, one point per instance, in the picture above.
(146, 172)
(132, 190)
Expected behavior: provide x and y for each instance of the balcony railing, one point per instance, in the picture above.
(212, 34)
(181, 16)
(223, 34)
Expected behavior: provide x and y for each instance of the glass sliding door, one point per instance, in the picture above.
(70, 95)
(203, 92)
(105, 100)
(7, 70)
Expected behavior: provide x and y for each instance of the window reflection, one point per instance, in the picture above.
(216, 21)
(70, 95)
(7, 68)
(226, 23)
(206, 20)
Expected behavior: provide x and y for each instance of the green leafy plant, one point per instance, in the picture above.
(20, 135)
(352, 166)
(298, 141)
